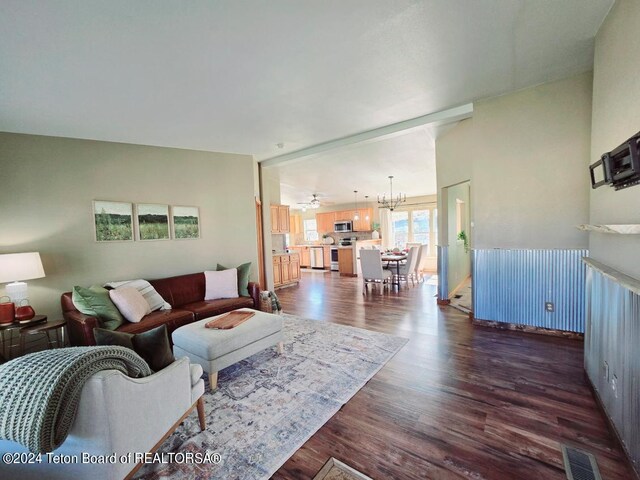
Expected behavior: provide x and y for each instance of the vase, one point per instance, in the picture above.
(375, 235)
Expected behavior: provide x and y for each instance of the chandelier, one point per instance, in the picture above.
(392, 202)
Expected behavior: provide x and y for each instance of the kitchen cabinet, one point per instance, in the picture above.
(286, 269)
(344, 215)
(277, 270)
(325, 221)
(294, 268)
(295, 224)
(279, 218)
(304, 255)
(363, 225)
(346, 262)
(326, 254)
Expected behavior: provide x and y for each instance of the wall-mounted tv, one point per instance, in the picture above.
(619, 168)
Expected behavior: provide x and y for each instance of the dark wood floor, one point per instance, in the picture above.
(457, 401)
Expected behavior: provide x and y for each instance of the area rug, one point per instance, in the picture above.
(268, 405)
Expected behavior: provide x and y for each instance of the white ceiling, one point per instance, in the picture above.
(242, 76)
(409, 157)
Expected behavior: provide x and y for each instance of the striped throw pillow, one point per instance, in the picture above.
(153, 298)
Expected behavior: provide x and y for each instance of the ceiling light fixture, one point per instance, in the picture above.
(356, 216)
(313, 203)
(366, 206)
(392, 202)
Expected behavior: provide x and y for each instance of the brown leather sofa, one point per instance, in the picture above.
(185, 293)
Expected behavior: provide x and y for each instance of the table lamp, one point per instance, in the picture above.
(16, 267)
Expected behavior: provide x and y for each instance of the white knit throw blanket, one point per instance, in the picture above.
(40, 392)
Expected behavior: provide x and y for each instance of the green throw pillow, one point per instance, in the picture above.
(153, 345)
(95, 301)
(243, 278)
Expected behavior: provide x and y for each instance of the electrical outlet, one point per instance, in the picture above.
(549, 307)
(614, 385)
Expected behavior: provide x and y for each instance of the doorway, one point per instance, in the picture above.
(456, 275)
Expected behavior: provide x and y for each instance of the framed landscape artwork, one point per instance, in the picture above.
(186, 222)
(113, 221)
(153, 221)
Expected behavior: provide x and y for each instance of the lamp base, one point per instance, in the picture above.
(17, 291)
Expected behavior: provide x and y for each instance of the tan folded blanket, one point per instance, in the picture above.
(229, 320)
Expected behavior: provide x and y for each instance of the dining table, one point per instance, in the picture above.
(398, 258)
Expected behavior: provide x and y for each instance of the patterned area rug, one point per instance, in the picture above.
(268, 405)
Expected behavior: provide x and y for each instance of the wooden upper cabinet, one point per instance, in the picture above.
(344, 215)
(283, 212)
(363, 225)
(275, 219)
(325, 222)
(295, 224)
(279, 218)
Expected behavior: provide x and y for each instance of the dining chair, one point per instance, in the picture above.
(408, 270)
(421, 266)
(371, 266)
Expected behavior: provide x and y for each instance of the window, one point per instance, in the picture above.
(420, 226)
(400, 222)
(311, 230)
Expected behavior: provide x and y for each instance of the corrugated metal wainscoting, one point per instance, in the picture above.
(513, 286)
(443, 273)
(611, 346)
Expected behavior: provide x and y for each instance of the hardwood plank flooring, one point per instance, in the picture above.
(458, 401)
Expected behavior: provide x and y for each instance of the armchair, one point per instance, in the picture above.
(119, 414)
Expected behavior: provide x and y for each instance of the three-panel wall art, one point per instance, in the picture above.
(123, 221)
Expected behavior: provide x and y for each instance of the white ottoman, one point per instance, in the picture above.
(217, 349)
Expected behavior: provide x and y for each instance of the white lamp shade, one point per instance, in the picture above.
(20, 266)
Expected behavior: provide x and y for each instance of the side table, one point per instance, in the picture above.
(6, 340)
(56, 325)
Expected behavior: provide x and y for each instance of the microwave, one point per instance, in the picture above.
(345, 226)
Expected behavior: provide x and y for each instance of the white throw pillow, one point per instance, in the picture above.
(130, 302)
(153, 298)
(221, 284)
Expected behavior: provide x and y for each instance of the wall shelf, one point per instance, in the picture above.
(632, 229)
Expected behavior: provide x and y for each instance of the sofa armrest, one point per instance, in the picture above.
(80, 328)
(254, 292)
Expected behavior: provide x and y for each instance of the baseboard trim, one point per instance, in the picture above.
(526, 328)
(612, 427)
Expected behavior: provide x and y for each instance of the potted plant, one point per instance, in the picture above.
(463, 236)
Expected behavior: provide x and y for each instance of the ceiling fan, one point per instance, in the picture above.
(313, 203)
